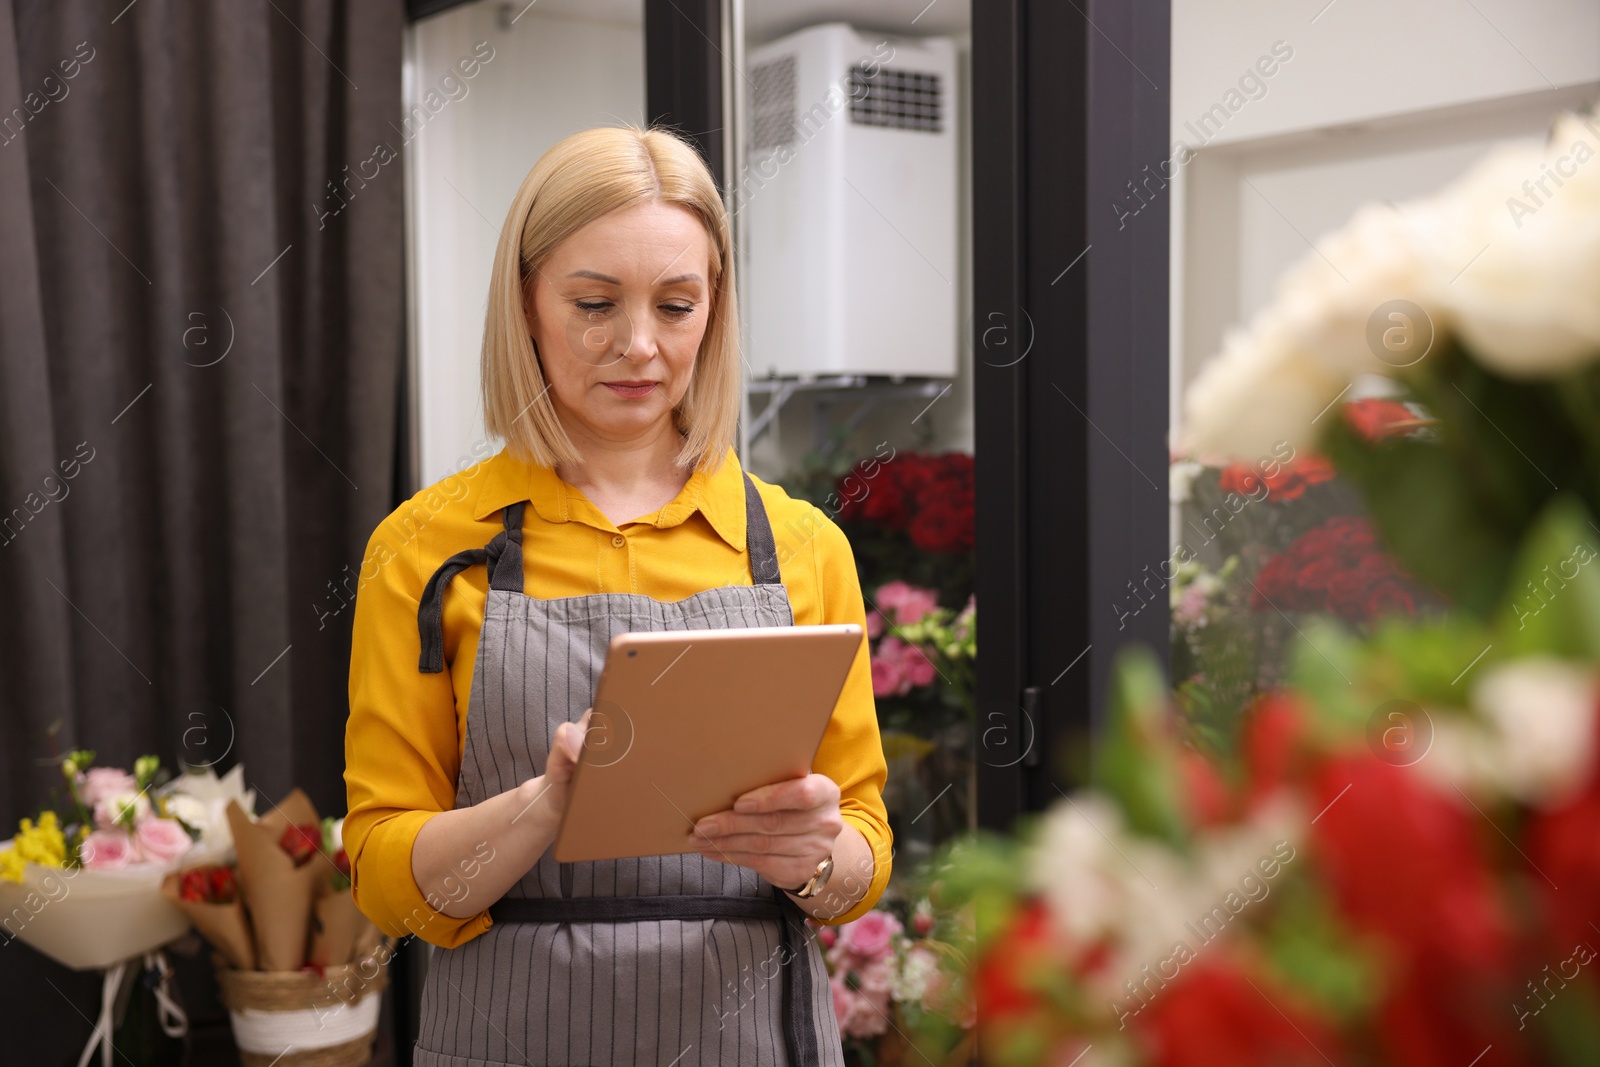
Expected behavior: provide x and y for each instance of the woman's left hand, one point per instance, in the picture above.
(780, 831)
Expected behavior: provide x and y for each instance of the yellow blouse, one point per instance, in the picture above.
(403, 748)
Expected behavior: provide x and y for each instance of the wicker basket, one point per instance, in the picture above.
(301, 1019)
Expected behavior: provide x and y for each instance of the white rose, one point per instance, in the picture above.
(189, 811)
(126, 808)
(1520, 273)
(1260, 390)
(1541, 713)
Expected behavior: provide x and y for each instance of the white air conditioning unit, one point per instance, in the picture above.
(849, 206)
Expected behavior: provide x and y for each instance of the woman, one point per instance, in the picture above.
(611, 369)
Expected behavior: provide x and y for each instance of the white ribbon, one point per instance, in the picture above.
(174, 1023)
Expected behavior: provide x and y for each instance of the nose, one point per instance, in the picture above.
(642, 343)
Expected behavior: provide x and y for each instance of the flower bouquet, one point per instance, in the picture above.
(292, 949)
(891, 993)
(81, 883)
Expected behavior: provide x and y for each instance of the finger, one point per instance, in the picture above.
(823, 820)
(799, 845)
(812, 791)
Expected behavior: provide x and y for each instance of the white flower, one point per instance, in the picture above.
(1180, 479)
(125, 809)
(1541, 712)
(1520, 273)
(201, 799)
(186, 809)
(911, 979)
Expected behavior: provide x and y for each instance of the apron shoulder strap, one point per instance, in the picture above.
(503, 557)
(758, 538)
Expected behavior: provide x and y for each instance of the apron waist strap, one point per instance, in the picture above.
(631, 909)
(798, 1024)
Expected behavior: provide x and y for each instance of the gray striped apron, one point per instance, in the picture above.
(661, 960)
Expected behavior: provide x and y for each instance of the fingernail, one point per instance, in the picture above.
(744, 805)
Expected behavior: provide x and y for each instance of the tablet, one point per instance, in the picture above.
(685, 721)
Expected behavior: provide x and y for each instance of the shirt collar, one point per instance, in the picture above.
(718, 496)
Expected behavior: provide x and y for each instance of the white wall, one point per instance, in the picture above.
(551, 75)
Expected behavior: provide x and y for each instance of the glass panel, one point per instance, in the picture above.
(539, 72)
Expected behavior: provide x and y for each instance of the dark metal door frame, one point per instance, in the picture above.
(1070, 107)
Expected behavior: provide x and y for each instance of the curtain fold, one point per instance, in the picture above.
(201, 358)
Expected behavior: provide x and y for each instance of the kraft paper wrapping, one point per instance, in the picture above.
(226, 926)
(339, 927)
(279, 896)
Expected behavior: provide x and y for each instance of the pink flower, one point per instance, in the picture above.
(874, 978)
(97, 783)
(858, 1015)
(922, 920)
(909, 603)
(827, 935)
(916, 667)
(161, 840)
(886, 677)
(874, 624)
(871, 936)
(105, 849)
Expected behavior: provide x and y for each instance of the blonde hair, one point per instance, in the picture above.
(583, 177)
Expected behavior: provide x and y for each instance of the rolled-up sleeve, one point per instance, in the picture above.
(401, 748)
(852, 751)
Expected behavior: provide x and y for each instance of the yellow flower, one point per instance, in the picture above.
(42, 843)
(11, 865)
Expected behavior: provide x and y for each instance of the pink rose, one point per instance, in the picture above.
(870, 937)
(916, 667)
(875, 978)
(858, 1016)
(105, 849)
(874, 624)
(909, 603)
(161, 840)
(827, 935)
(886, 677)
(98, 783)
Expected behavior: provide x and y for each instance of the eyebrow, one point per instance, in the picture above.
(597, 276)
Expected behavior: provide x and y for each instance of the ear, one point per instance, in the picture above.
(529, 318)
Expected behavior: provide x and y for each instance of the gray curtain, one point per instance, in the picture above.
(200, 364)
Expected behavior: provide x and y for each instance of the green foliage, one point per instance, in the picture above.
(1137, 761)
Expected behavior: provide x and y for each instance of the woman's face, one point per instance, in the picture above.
(618, 311)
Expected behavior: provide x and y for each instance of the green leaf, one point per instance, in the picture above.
(1137, 760)
(1553, 599)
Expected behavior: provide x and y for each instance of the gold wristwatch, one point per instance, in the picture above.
(819, 878)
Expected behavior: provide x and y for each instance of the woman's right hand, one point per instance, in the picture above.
(548, 792)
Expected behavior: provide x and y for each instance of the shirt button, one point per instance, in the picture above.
(619, 541)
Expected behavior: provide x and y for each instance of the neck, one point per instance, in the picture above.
(615, 465)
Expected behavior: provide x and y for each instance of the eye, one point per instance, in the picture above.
(592, 306)
(678, 311)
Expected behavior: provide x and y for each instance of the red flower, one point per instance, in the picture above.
(1292, 479)
(301, 842)
(1273, 736)
(1216, 1016)
(1210, 803)
(1315, 576)
(1377, 420)
(1004, 977)
(1388, 597)
(1240, 478)
(206, 885)
(1275, 579)
(942, 528)
(1402, 863)
(1346, 590)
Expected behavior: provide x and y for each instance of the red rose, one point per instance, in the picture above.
(1213, 1015)
(1388, 597)
(1375, 565)
(1377, 420)
(1274, 579)
(192, 886)
(1292, 479)
(1346, 590)
(301, 842)
(884, 503)
(221, 885)
(1239, 478)
(1317, 541)
(1564, 846)
(941, 528)
(1315, 576)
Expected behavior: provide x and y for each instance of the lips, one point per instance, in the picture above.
(631, 390)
